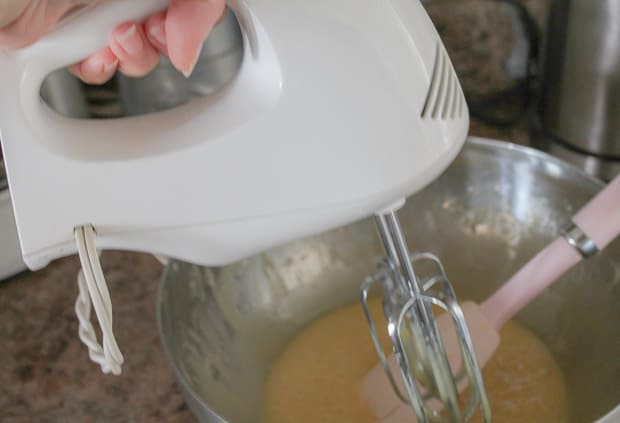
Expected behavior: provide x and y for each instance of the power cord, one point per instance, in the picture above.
(93, 290)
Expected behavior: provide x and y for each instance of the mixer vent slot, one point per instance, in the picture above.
(445, 98)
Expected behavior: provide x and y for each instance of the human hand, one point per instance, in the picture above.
(133, 48)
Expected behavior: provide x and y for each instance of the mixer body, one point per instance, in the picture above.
(338, 110)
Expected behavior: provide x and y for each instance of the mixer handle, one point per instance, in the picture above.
(86, 31)
(254, 89)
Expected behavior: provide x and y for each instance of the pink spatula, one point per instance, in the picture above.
(592, 229)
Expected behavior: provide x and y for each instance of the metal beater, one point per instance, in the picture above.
(408, 297)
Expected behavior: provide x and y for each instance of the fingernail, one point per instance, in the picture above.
(188, 72)
(130, 40)
(98, 65)
(110, 67)
(158, 33)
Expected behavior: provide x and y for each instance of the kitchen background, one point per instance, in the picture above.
(45, 371)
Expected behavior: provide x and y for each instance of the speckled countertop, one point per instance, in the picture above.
(46, 375)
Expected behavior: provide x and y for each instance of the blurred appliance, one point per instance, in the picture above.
(579, 112)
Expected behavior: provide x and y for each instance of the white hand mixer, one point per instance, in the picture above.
(340, 110)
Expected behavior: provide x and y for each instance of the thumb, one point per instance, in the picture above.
(27, 21)
(10, 10)
(188, 23)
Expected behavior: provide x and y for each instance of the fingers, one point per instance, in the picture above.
(177, 33)
(134, 48)
(136, 56)
(187, 25)
(96, 69)
(155, 29)
(129, 51)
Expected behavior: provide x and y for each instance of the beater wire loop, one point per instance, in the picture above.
(408, 298)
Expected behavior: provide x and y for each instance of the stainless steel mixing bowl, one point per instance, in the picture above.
(492, 210)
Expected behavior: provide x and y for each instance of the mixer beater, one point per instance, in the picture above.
(431, 385)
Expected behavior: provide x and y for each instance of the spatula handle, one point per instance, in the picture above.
(599, 219)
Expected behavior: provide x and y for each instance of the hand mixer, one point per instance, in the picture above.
(340, 110)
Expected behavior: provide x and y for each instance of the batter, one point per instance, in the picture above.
(316, 379)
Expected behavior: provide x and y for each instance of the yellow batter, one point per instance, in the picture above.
(317, 377)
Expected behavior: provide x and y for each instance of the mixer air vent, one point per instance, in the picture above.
(445, 98)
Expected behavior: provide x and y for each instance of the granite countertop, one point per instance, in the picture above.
(46, 373)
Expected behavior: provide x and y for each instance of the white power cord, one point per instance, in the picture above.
(92, 287)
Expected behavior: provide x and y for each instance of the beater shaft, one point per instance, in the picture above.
(418, 347)
(429, 347)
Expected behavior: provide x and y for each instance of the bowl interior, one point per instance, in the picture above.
(494, 208)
